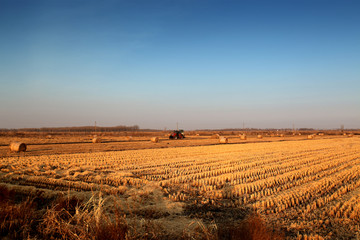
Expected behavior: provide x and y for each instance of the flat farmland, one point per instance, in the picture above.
(40, 144)
(306, 189)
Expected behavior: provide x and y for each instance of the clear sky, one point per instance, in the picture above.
(201, 63)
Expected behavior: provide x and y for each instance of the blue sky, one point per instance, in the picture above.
(203, 64)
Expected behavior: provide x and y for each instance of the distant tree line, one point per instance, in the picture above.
(76, 129)
(246, 129)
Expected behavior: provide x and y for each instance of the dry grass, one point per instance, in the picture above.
(17, 220)
(69, 217)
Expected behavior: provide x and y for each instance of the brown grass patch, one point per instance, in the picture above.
(253, 228)
(17, 220)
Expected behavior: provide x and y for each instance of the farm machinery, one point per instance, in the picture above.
(177, 134)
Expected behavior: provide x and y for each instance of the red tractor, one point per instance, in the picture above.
(177, 134)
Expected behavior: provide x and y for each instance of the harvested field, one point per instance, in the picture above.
(40, 144)
(304, 188)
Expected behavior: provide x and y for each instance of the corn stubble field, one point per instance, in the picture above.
(303, 189)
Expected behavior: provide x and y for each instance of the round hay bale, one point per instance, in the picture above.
(154, 139)
(17, 147)
(129, 138)
(281, 135)
(223, 140)
(197, 134)
(215, 136)
(96, 140)
(243, 137)
(310, 136)
(259, 136)
(48, 136)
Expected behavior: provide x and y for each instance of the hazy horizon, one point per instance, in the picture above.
(203, 64)
(197, 129)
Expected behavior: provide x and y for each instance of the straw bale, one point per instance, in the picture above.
(215, 136)
(96, 140)
(223, 140)
(18, 147)
(259, 136)
(243, 137)
(154, 139)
